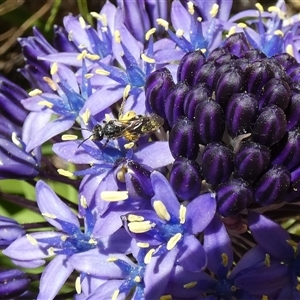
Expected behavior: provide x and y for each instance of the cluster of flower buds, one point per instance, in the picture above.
(234, 119)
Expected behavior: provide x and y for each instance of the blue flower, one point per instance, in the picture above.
(171, 227)
(32, 250)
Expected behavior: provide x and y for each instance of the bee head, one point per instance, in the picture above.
(98, 133)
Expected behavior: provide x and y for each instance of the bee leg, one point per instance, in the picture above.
(105, 144)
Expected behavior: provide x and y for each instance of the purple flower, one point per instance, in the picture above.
(31, 250)
(171, 226)
(10, 230)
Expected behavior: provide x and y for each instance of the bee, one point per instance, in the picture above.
(130, 126)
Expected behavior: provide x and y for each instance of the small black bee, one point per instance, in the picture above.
(130, 126)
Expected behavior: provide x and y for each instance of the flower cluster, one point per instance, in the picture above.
(188, 166)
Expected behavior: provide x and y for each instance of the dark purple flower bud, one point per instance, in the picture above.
(217, 163)
(294, 73)
(10, 230)
(240, 63)
(270, 126)
(216, 53)
(195, 95)
(183, 139)
(209, 121)
(236, 44)
(61, 40)
(206, 74)
(275, 91)
(224, 59)
(185, 178)
(253, 54)
(220, 71)
(257, 75)
(229, 83)
(157, 87)
(287, 151)
(272, 186)
(174, 102)
(13, 283)
(13, 114)
(16, 163)
(293, 112)
(251, 160)
(285, 60)
(293, 194)
(241, 113)
(233, 197)
(189, 65)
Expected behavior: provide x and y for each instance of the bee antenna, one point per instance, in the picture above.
(85, 140)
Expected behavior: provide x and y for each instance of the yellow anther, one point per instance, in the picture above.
(242, 25)
(233, 288)
(129, 145)
(161, 210)
(86, 116)
(70, 36)
(128, 115)
(289, 49)
(117, 36)
(143, 245)
(182, 214)
(126, 91)
(95, 15)
(54, 68)
(199, 19)
(149, 33)
(135, 218)
(92, 56)
(214, 10)
(137, 279)
(78, 285)
(102, 72)
(140, 227)
(82, 55)
(88, 75)
(147, 59)
(64, 237)
(69, 137)
(279, 32)
(50, 216)
(264, 297)
(31, 240)
(259, 7)
(114, 196)
(35, 92)
(274, 9)
(148, 256)
(224, 259)
(179, 33)
(190, 285)
(45, 103)
(190, 6)
(93, 241)
(231, 31)
(173, 241)
(162, 23)
(83, 202)
(15, 139)
(64, 173)
(115, 295)
(166, 297)
(267, 260)
(112, 259)
(51, 83)
(51, 251)
(82, 22)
